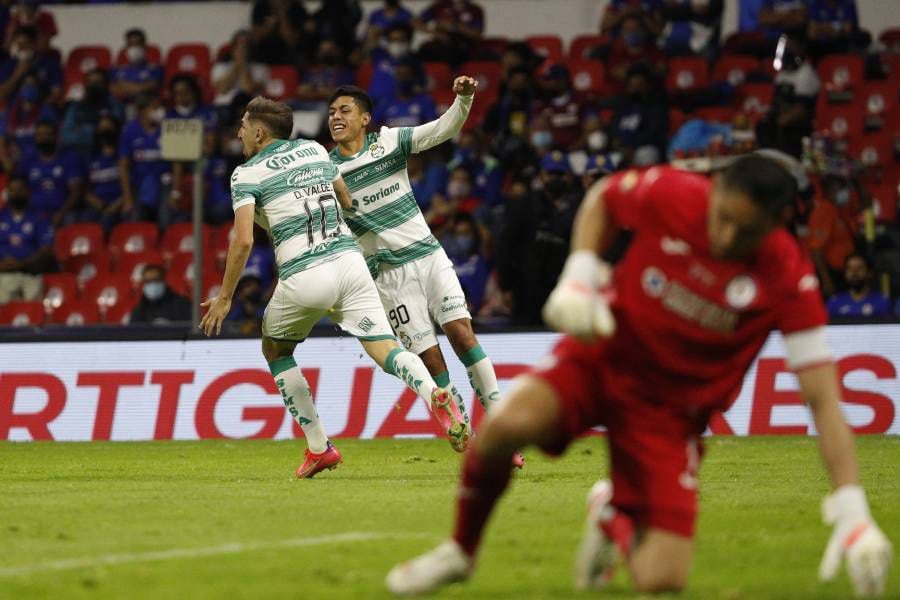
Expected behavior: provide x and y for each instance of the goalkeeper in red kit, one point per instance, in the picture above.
(653, 349)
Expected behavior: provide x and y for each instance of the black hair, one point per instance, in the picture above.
(154, 267)
(764, 181)
(138, 32)
(278, 117)
(191, 82)
(359, 95)
(868, 262)
(47, 123)
(405, 28)
(29, 31)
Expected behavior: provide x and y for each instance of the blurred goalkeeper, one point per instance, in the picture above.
(653, 350)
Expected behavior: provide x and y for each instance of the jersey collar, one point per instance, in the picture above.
(270, 148)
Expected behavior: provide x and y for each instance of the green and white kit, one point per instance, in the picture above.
(320, 268)
(414, 277)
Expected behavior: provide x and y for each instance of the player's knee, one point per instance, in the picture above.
(460, 335)
(273, 350)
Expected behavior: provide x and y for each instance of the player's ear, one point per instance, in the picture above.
(366, 119)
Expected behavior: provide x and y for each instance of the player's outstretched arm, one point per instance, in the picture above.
(343, 193)
(238, 252)
(575, 306)
(855, 536)
(449, 124)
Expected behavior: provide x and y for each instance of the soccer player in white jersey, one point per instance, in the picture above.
(294, 192)
(414, 277)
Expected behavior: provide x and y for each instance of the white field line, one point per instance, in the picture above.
(188, 553)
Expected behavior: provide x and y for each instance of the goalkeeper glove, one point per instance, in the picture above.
(857, 538)
(575, 307)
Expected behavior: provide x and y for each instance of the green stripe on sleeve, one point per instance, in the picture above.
(405, 140)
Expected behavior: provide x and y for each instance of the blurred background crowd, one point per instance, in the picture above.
(95, 225)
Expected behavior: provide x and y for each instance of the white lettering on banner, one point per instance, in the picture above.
(222, 389)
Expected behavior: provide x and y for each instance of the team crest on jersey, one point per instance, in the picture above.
(376, 150)
(654, 282)
(740, 292)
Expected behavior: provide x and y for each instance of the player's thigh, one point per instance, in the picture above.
(298, 303)
(446, 299)
(661, 562)
(358, 309)
(406, 307)
(530, 413)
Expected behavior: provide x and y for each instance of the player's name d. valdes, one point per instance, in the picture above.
(313, 190)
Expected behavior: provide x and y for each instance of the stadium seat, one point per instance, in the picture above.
(281, 82)
(88, 58)
(76, 313)
(21, 314)
(582, 45)
(77, 239)
(841, 71)
(120, 313)
(128, 238)
(107, 292)
(437, 76)
(88, 266)
(212, 285)
(153, 57)
(443, 99)
(843, 121)
(364, 74)
(180, 275)
(756, 98)
(221, 240)
(132, 265)
(547, 46)
(677, 118)
(488, 74)
(873, 150)
(188, 58)
(715, 114)
(734, 68)
(890, 38)
(179, 239)
(884, 201)
(878, 99)
(58, 288)
(73, 84)
(686, 73)
(588, 76)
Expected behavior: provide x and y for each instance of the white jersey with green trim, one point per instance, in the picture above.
(385, 218)
(290, 184)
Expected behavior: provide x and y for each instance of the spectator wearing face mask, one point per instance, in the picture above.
(55, 177)
(457, 199)
(394, 47)
(560, 106)
(82, 116)
(390, 14)
(860, 300)
(104, 202)
(463, 244)
(27, 60)
(832, 230)
(510, 115)
(26, 242)
(187, 103)
(329, 71)
(28, 13)
(485, 171)
(640, 123)
(159, 304)
(426, 178)
(137, 76)
(633, 45)
(455, 27)
(144, 173)
(18, 123)
(410, 105)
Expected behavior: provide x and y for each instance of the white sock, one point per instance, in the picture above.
(298, 400)
(481, 374)
(443, 380)
(410, 369)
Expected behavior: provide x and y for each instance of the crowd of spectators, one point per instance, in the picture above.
(655, 82)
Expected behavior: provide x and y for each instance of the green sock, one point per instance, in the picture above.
(481, 376)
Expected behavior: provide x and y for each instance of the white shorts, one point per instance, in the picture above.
(418, 293)
(342, 288)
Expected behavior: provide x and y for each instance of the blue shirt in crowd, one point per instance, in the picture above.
(872, 304)
(139, 73)
(380, 19)
(22, 236)
(413, 111)
(103, 177)
(205, 113)
(142, 148)
(49, 179)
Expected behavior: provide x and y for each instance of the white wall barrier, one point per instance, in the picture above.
(222, 389)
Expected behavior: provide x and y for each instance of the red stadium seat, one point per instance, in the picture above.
(88, 58)
(59, 288)
(120, 313)
(212, 284)
(76, 313)
(841, 71)
(443, 99)
(588, 76)
(88, 266)
(873, 150)
(128, 238)
(734, 68)
(686, 73)
(180, 275)
(437, 76)
(582, 45)
(179, 239)
(890, 38)
(488, 75)
(549, 47)
(222, 239)
(843, 121)
(109, 291)
(153, 57)
(878, 99)
(188, 58)
(281, 82)
(77, 240)
(21, 314)
(884, 199)
(132, 265)
(364, 74)
(715, 114)
(756, 98)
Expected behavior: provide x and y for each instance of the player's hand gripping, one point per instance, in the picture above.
(464, 86)
(575, 306)
(857, 539)
(216, 310)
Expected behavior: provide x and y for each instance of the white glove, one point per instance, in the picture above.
(857, 538)
(575, 306)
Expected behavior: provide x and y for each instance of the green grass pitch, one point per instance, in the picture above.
(227, 519)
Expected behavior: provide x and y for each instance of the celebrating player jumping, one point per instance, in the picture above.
(414, 277)
(295, 193)
(709, 273)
